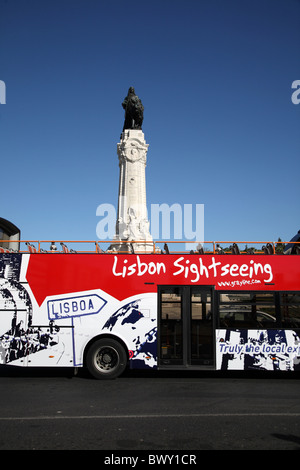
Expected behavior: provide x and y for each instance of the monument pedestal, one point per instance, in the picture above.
(132, 226)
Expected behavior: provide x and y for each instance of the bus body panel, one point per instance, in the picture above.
(123, 276)
(269, 349)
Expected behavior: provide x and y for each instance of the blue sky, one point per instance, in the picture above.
(215, 80)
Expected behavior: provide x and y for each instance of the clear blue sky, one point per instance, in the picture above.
(215, 80)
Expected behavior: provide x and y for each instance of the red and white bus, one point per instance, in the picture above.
(105, 311)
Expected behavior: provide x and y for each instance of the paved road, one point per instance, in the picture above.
(51, 409)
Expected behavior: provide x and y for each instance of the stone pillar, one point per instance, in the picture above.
(132, 223)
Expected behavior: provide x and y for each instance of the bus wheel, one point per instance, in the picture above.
(106, 359)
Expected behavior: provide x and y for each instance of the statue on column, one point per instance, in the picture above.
(132, 225)
(134, 111)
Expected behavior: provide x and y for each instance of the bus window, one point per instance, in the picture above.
(290, 310)
(201, 326)
(247, 310)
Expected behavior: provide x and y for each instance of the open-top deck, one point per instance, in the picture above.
(157, 247)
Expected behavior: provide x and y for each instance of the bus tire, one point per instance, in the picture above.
(106, 359)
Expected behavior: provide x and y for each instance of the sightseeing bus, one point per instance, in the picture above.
(236, 308)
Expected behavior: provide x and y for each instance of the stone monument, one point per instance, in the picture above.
(132, 226)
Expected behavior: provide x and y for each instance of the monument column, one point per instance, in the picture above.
(132, 224)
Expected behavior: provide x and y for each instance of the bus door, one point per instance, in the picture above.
(186, 333)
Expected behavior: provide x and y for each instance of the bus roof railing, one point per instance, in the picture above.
(153, 247)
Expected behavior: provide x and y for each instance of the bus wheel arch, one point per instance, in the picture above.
(106, 357)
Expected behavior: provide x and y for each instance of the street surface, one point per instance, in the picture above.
(54, 409)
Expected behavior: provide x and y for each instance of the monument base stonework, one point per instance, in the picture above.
(132, 226)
